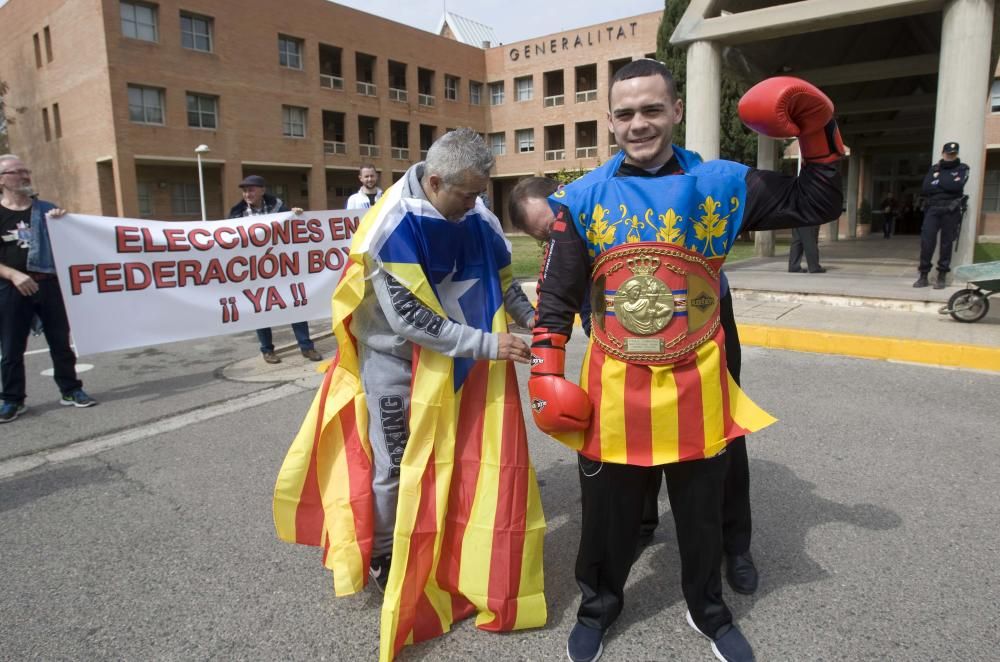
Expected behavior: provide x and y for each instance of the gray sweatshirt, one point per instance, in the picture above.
(390, 317)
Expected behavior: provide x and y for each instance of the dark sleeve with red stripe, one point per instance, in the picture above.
(562, 284)
(776, 201)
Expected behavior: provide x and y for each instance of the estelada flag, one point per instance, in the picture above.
(469, 522)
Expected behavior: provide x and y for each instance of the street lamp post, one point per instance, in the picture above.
(199, 150)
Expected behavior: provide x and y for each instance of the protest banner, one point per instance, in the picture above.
(130, 282)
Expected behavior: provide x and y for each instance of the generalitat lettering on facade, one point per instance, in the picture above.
(590, 38)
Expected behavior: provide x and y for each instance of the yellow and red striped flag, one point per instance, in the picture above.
(469, 522)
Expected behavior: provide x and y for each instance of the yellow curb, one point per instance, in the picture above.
(975, 357)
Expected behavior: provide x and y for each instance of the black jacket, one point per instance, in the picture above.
(272, 205)
(944, 183)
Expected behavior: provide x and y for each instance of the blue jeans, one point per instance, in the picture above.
(16, 314)
(300, 329)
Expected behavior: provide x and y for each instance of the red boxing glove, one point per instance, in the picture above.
(787, 107)
(557, 404)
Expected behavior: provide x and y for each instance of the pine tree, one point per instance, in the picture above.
(673, 56)
(737, 143)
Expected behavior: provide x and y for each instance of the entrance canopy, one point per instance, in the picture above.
(905, 75)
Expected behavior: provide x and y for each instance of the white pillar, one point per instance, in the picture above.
(963, 83)
(704, 93)
(767, 152)
(853, 181)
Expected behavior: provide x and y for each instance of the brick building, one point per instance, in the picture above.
(110, 98)
(113, 96)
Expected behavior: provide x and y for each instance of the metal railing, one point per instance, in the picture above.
(586, 152)
(555, 100)
(368, 150)
(586, 95)
(401, 153)
(397, 94)
(334, 147)
(331, 82)
(425, 99)
(367, 89)
(613, 149)
(555, 155)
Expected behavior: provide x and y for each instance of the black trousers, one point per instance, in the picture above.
(737, 523)
(613, 495)
(937, 219)
(16, 313)
(619, 501)
(804, 241)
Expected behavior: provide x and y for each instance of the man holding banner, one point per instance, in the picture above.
(29, 287)
(422, 401)
(256, 202)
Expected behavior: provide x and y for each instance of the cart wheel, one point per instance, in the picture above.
(968, 305)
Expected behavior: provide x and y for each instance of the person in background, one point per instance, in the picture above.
(944, 190)
(29, 289)
(256, 202)
(369, 193)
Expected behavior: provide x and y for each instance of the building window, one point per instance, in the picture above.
(196, 32)
(184, 199)
(139, 21)
(496, 93)
(524, 88)
(145, 200)
(203, 111)
(991, 191)
(45, 122)
(48, 44)
(498, 144)
(38, 51)
(475, 93)
(450, 87)
(145, 104)
(995, 97)
(293, 121)
(56, 120)
(525, 140)
(289, 52)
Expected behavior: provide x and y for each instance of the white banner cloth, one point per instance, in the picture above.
(130, 282)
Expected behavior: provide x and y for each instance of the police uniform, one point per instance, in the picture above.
(943, 187)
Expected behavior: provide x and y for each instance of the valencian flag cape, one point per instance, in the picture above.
(649, 415)
(469, 523)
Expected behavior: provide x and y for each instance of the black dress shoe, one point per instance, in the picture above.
(817, 270)
(794, 270)
(741, 573)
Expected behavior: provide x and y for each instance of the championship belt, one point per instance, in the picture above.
(653, 303)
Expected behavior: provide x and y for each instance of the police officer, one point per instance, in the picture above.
(943, 185)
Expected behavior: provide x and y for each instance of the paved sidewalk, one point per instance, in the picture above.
(864, 305)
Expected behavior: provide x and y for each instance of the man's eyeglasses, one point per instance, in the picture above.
(23, 172)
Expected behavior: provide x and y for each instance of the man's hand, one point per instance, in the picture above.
(24, 283)
(297, 211)
(55, 213)
(512, 348)
(788, 107)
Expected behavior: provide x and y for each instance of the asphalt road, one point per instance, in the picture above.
(874, 503)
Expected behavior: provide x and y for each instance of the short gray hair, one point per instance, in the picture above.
(456, 155)
(9, 157)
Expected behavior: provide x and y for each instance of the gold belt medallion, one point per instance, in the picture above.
(639, 291)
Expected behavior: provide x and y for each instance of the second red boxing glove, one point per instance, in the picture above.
(788, 107)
